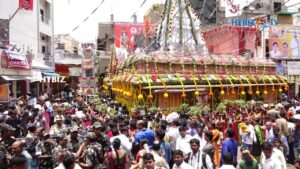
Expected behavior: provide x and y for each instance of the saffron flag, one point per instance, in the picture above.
(147, 25)
(26, 4)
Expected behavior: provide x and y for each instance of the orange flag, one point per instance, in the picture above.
(147, 25)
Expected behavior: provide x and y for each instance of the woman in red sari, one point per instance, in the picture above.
(118, 158)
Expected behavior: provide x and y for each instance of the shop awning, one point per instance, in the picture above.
(15, 78)
(36, 76)
(40, 65)
(50, 74)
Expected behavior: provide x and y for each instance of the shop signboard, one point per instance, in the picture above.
(13, 59)
(261, 23)
(4, 93)
(285, 42)
(293, 68)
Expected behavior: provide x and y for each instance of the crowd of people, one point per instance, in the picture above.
(72, 133)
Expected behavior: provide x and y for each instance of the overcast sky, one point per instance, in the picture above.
(70, 13)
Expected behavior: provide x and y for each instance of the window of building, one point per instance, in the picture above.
(267, 48)
(44, 49)
(277, 6)
(42, 15)
(75, 50)
(43, 38)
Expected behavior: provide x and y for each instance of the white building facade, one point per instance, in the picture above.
(30, 30)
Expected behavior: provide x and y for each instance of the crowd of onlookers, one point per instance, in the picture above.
(61, 132)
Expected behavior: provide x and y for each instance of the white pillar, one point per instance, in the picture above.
(27, 86)
(14, 88)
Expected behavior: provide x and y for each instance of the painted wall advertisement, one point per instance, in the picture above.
(4, 93)
(129, 35)
(285, 42)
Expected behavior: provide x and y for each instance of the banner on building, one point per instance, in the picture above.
(13, 59)
(26, 4)
(88, 82)
(129, 35)
(293, 68)
(4, 93)
(87, 64)
(75, 71)
(4, 33)
(284, 42)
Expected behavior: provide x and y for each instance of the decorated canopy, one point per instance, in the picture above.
(182, 67)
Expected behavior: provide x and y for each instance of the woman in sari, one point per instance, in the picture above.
(118, 158)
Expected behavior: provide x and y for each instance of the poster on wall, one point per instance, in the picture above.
(129, 35)
(4, 93)
(284, 42)
(26, 5)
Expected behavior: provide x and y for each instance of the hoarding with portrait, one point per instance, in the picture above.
(285, 42)
(129, 35)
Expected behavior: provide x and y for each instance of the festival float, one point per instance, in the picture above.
(183, 71)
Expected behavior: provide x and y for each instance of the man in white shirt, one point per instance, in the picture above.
(183, 141)
(275, 53)
(247, 136)
(196, 159)
(295, 46)
(179, 161)
(271, 158)
(125, 142)
(173, 133)
(200, 136)
(31, 100)
(269, 130)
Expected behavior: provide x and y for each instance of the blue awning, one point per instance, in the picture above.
(50, 74)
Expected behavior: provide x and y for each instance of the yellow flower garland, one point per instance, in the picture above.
(196, 86)
(210, 87)
(182, 85)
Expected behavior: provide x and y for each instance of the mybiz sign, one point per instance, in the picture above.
(53, 79)
(260, 23)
